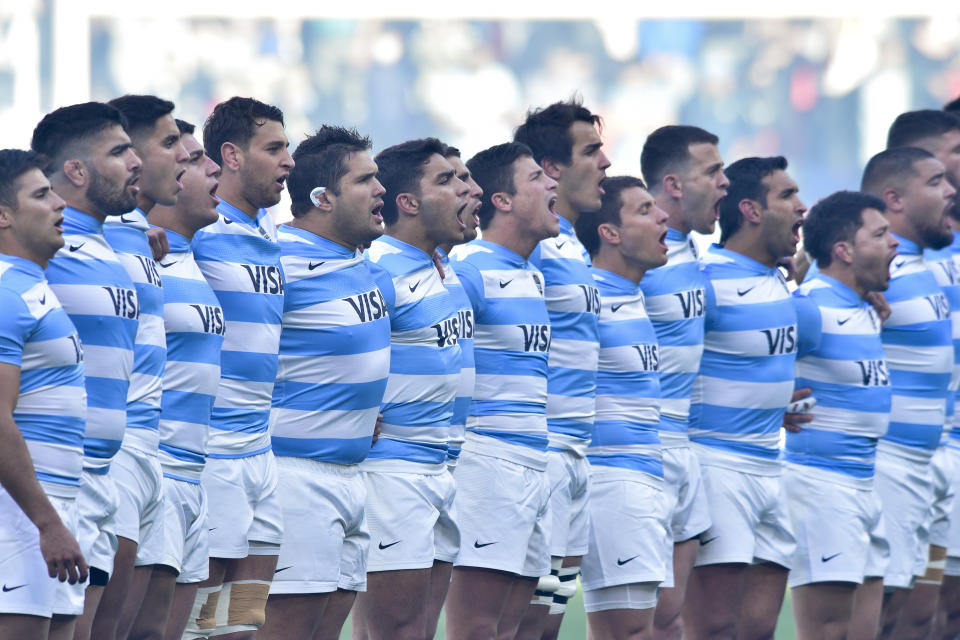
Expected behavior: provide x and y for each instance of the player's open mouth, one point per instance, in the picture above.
(213, 193)
(280, 181)
(463, 225)
(551, 204)
(179, 181)
(796, 230)
(375, 212)
(663, 241)
(600, 186)
(476, 213)
(716, 209)
(132, 184)
(58, 225)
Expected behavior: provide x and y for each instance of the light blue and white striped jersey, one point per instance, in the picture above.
(424, 360)
(510, 349)
(37, 336)
(674, 298)
(468, 374)
(195, 327)
(127, 236)
(840, 357)
(947, 272)
(101, 300)
(746, 375)
(334, 352)
(574, 306)
(954, 437)
(919, 354)
(626, 431)
(240, 258)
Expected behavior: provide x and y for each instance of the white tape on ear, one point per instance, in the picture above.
(315, 195)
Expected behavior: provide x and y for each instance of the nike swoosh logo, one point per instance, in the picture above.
(616, 307)
(899, 263)
(844, 321)
(283, 569)
(743, 292)
(74, 247)
(560, 244)
(623, 562)
(19, 586)
(125, 221)
(829, 558)
(213, 528)
(413, 287)
(166, 264)
(227, 221)
(387, 546)
(313, 266)
(704, 543)
(480, 545)
(43, 300)
(503, 284)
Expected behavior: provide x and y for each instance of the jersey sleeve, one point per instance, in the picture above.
(472, 283)
(385, 283)
(15, 323)
(809, 324)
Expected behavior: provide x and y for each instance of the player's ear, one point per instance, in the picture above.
(672, 186)
(551, 168)
(609, 233)
(232, 156)
(750, 210)
(502, 201)
(408, 203)
(843, 251)
(75, 172)
(6, 216)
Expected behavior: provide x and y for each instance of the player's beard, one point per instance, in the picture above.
(107, 198)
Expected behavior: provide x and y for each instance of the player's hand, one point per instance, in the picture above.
(376, 430)
(158, 242)
(880, 305)
(62, 554)
(438, 265)
(793, 422)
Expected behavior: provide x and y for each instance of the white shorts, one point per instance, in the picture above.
(683, 484)
(630, 540)
(185, 535)
(839, 528)
(140, 509)
(325, 542)
(411, 520)
(569, 477)
(749, 519)
(242, 504)
(905, 489)
(942, 471)
(27, 587)
(504, 512)
(97, 519)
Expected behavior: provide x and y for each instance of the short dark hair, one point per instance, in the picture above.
(492, 169)
(746, 183)
(547, 130)
(668, 148)
(62, 132)
(185, 127)
(835, 219)
(609, 212)
(13, 164)
(141, 111)
(401, 168)
(913, 126)
(236, 120)
(321, 161)
(450, 151)
(896, 162)
(953, 106)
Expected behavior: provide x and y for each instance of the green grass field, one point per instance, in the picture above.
(575, 622)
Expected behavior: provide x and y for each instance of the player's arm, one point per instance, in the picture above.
(159, 243)
(809, 333)
(17, 475)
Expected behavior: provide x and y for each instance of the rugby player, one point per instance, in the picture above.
(332, 374)
(939, 133)
(919, 353)
(41, 411)
(440, 579)
(410, 491)
(240, 258)
(630, 543)
(683, 169)
(565, 140)
(94, 168)
(194, 327)
(740, 396)
(136, 469)
(829, 465)
(502, 466)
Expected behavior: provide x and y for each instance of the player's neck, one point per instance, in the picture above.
(321, 224)
(507, 236)
(844, 273)
(609, 259)
(675, 218)
(749, 243)
(566, 210)
(413, 234)
(231, 192)
(168, 218)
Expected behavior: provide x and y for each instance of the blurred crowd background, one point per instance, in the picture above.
(821, 91)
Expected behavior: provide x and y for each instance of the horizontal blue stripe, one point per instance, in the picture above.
(107, 393)
(614, 433)
(61, 430)
(388, 448)
(310, 396)
(418, 414)
(100, 447)
(53, 478)
(918, 384)
(335, 450)
(187, 406)
(740, 448)
(248, 366)
(184, 455)
(497, 407)
(239, 420)
(644, 464)
(742, 368)
(850, 397)
(736, 421)
(531, 441)
(918, 436)
(516, 363)
(246, 306)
